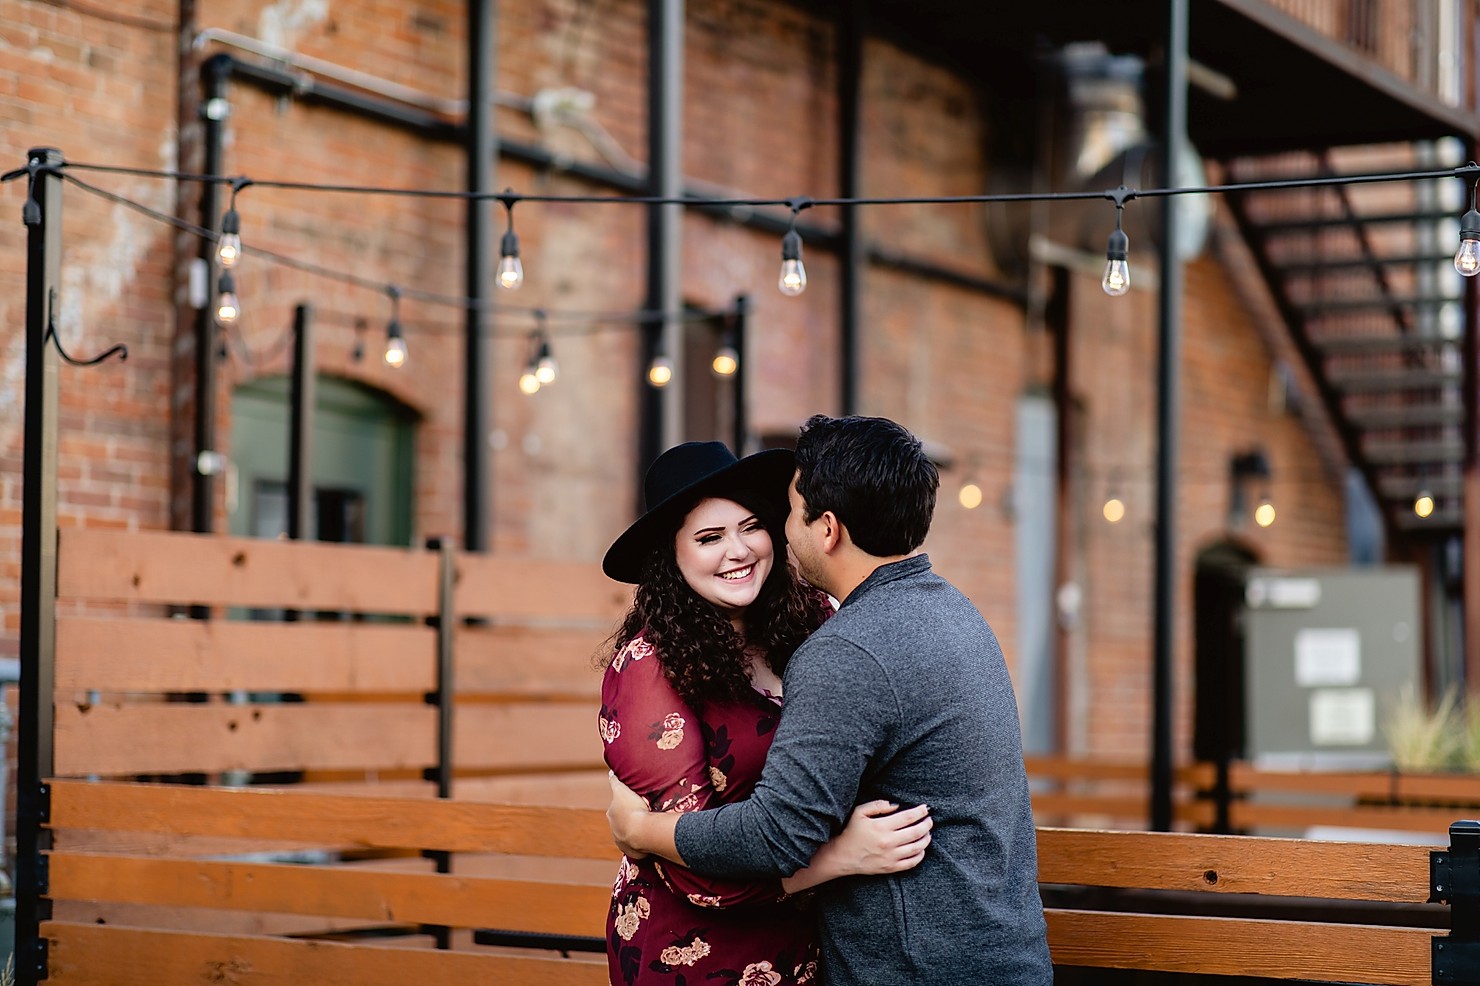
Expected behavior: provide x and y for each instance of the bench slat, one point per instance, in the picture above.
(1257, 814)
(525, 589)
(106, 956)
(1349, 953)
(351, 820)
(150, 655)
(343, 891)
(1234, 864)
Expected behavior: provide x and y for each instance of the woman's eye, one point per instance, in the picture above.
(709, 539)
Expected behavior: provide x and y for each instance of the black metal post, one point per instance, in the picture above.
(216, 73)
(444, 700)
(850, 30)
(1454, 878)
(742, 417)
(301, 403)
(660, 409)
(1168, 407)
(43, 219)
(482, 152)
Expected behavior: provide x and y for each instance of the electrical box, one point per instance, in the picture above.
(1327, 654)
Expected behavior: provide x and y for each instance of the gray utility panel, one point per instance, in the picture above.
(1327, 652)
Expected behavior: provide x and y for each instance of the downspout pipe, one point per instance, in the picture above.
(215, 76)
(850, 30)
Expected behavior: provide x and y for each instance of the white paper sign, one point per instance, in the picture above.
(1342, 716)
(1325, 657)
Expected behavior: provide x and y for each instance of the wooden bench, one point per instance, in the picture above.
(1140, 901)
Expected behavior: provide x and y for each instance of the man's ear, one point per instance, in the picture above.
(833, 535)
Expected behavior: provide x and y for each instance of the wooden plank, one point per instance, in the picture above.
(93, 955)
(214, 570)
(1459, 789)
(576, 789)
(1257, 814)
(527, 736)
(1096, 770)
(456, 826)
(1349, 953)
(154, 655)
(333, 891)
(1234, 864)
(209, 921)
(529, 661)
(524, 589)
(115, 738)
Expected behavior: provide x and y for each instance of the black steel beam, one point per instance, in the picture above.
(481, 152)
(302, 401)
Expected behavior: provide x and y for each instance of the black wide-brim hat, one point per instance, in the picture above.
(685, 474)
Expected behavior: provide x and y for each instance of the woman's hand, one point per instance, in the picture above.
(879, 838)
(627, 809)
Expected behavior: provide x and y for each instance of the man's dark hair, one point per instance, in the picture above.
(873, 475)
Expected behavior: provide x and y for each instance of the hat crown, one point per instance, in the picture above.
(681, 467)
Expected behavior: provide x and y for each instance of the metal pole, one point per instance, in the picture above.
(1169, 358)
(301, 404)
(850, 68)
(662, 410)
(34, 753)
(482, 152)
(742, 420)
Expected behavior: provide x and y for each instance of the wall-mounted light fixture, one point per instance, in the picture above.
(1250, 471)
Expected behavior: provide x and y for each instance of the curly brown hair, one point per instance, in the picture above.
(701, 652)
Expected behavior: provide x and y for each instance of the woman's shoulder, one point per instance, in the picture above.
(634, 651)
(823, 606)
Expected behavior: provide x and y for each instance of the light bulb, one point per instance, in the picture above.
(1264, 513)
(229, 245)
(970, 496)
(510, 273)
(1117, 279)
(228, 309)
(1467, 257)
(529, 382)
(793, 279)
(395, 345)
(510, 268)
(1423, 504)
(660, 372)
(1114, 510)
(546, 370)
(726, 361)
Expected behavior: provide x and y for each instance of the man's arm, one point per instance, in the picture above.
(839, 708)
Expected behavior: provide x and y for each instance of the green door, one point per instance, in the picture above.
(361, 469)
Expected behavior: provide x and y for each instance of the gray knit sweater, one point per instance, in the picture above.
(902, 695)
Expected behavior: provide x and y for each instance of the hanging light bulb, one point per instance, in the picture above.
(1114, 509)
(228, 309)
(1467, 257)
(793, 280)
(660, 371)
(1264, 513)
(970, 496)
(229, 244)
(1117, 279)
(1423, 504)
(395, 345)
(542, 361)
(395, 341)
(726, 359)
(529, 381)
(510, 268)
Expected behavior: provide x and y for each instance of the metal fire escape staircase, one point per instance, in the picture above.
(1364, 278)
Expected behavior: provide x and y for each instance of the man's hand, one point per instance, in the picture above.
(624, 814)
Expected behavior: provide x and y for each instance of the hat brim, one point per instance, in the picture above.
(765, 474)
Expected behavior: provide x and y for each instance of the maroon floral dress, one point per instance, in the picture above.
(668, 925)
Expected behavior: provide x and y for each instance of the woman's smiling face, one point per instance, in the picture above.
(724, 553)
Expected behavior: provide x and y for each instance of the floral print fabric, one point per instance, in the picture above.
(668, 925)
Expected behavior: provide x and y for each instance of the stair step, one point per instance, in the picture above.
(1391, 453)
(1408, 487)
(1390, 342)
(1316, 266)
(1439, 520)
(1280, 226)
(1406, 416)
(1373, 303)
(1367, 381)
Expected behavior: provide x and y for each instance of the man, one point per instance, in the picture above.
(904, 696)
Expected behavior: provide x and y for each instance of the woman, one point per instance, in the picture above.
(691, 697)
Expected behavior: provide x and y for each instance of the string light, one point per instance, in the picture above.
(1264, 513)
(793, 279)
(970, 495)
(1117, 279)
(660, 371)
(395, 341)
(1467, 257)
(228, 308)
(726, 358)
(1423, 504)
(541, 369)
(229, 244)
(1114, 509)
(510, 267)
